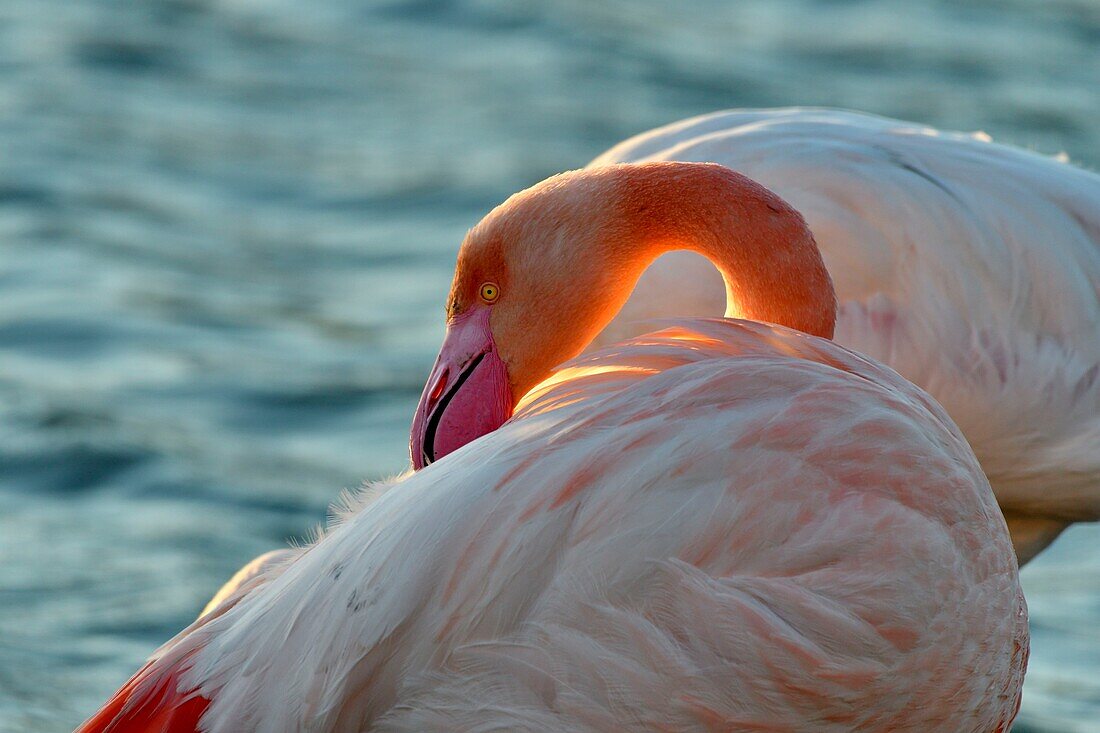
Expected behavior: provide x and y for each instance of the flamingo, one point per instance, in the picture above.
(971, 268)
(726, 525)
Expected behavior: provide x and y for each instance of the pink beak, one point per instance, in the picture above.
(467, 394)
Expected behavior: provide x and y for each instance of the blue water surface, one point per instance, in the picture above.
(227, 228)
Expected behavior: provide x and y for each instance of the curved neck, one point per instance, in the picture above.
(767, 256)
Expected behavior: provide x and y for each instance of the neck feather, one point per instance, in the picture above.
(767, 256)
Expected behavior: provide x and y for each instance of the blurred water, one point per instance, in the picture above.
(227, 228)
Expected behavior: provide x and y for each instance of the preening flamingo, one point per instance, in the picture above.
(971, 268)
(726, 525)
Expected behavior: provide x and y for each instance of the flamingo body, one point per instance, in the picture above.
(723, 526)
(971, 268)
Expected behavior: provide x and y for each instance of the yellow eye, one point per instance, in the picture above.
(490, 292)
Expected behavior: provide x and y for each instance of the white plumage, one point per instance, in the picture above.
(730, 526)
(971, 268)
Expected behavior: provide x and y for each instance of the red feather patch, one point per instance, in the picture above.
(150, 702)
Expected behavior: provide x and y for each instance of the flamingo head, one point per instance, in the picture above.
(523, 300)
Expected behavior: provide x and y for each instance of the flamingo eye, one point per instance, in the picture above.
(490, 292)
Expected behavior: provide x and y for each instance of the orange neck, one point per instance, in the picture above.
(573, 247)
(767, 256)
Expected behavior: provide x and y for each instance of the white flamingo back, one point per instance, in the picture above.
(971, 268)
(729, 526)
